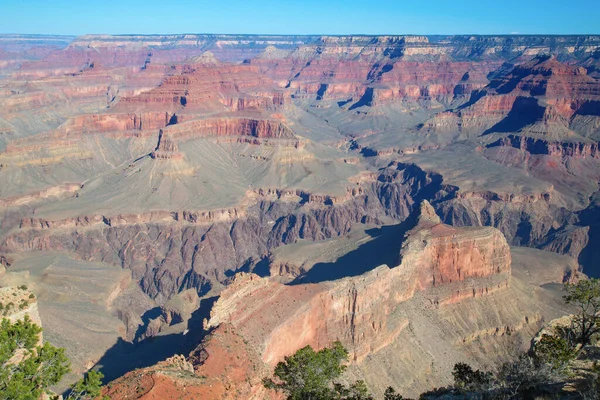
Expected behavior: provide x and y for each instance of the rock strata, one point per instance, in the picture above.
(358, 310)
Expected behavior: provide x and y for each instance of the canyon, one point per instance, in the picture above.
(232, 198)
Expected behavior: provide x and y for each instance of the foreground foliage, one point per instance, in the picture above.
(27, 369)
(87, 388)
(585, 295)
(311, 375)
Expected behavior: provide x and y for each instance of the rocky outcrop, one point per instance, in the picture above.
(219, 127)
(542, 98)
(158, 381)
(166, 149)
(475, 252)
(206, 88)
(134, 50)
(570, 241)
(358, 310)
(212, 243)
(67, 189)
(393, 81)
(524, 220)
(550, 148)
(304, 196)
(159, 216)
(256, 321)
(205, 58)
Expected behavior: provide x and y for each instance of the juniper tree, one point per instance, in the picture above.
(585, 295)
(26, 368)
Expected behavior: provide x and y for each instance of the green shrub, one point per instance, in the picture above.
(310, 374)
(554, 350)
(585, 295)
(40, 368)
(467, 378)
(88, 388)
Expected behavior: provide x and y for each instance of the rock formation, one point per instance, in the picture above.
(166, 148)
(356, 310)
(178, 161)
(449, 267)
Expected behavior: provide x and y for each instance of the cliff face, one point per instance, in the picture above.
(357, 310)
(535, 146)
(261, 129)
(257, 321)
(453, 254)
(542, 98)
(210, 243)
(209, 87)
(198, 249)
(141, 50)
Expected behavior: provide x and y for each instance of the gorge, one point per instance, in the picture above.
(220, 201)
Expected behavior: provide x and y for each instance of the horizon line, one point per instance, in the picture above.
(298, 34)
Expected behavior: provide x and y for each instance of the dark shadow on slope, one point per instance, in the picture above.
(384, 248)
(589, 256)
(124, 356)
(525, 111)
(146, 318)
(384, 70)
(589, 107)
(517, 74)
(523, 234)
(262, 268)
(365, 100)
(503, 70)
(474, 98)
(377, 71)
(321, 91)
(344, 102)
(173, 120)
(259, 267)
(394, 52)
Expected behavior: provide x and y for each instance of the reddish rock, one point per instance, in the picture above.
(357, 310)
(249, 334)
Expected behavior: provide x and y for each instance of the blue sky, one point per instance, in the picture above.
(300, 17)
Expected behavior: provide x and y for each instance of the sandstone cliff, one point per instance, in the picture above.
(356, 310)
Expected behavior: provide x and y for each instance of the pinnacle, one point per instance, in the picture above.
(427, 214)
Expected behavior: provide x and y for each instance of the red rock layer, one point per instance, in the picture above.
(200, 88)
(262, 129)
(541, 96)
(358, 310)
